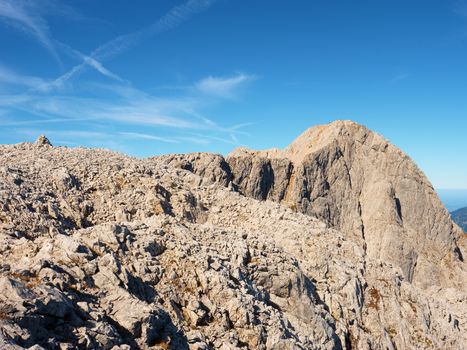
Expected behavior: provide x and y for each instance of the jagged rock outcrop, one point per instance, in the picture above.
(100, 250)
(211, 168)
(357, 182)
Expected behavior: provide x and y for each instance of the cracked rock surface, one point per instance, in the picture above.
(100, 250)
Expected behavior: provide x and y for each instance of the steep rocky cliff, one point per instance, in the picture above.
(100, 250)
(357, 182)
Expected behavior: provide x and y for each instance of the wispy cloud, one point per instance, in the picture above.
(122, 43)
(8, 76)
(22, 15)
(143, 136)
(239, 126)
(172, 19)
(13, 100)
(196, 140)
(67, 137)
(100, 68)
(221, 86)
(75, 103)
(28, 17)
(92, 62)
(399, 77)
(124, 105)
(227, 140)
(60, 82)
(40, 121)
(64, 133)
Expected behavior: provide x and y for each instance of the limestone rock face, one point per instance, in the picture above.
(103, 251)
(211, 168)
(357, 182)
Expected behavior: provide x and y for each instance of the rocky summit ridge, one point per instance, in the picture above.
(336, 242)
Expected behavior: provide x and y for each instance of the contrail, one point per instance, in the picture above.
(17, 13)
(120, 44)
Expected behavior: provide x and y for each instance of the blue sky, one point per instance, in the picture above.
(206, 75)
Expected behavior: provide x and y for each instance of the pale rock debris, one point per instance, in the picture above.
(101, 250)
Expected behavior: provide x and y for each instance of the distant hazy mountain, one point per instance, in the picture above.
(460, 217)
(453, 199)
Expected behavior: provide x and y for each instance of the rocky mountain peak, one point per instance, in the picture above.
(318, 137)
(357, 182)
(314, 139)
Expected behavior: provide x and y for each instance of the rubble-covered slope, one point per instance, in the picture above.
(100, 250)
